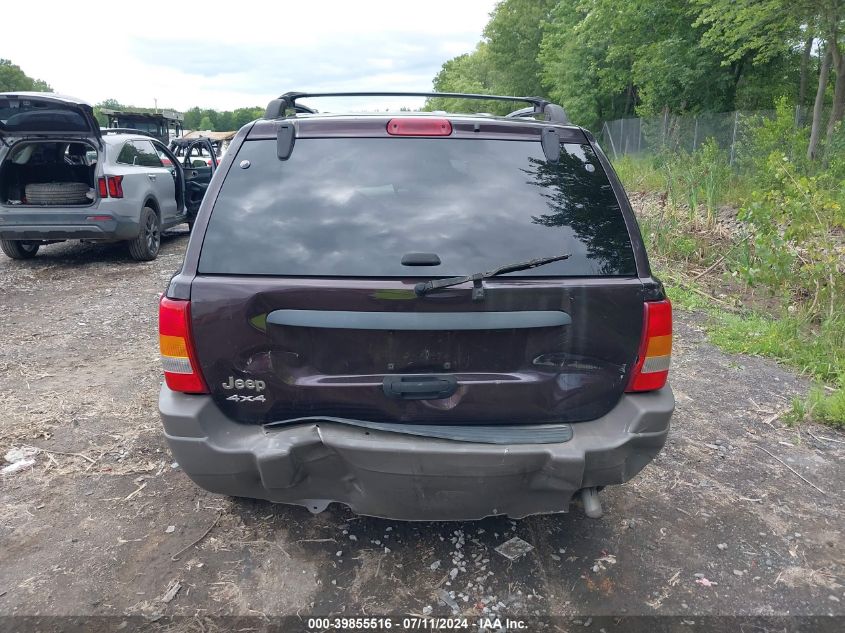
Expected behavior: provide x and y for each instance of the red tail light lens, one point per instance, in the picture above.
(115, 186)
(181, 370)
(101, 184)
(419, 127)
(652, 368)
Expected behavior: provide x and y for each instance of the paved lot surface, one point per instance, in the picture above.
(95, 525)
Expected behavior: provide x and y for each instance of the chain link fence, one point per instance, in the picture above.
(673, 132)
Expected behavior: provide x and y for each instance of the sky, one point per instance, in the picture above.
(211, 55)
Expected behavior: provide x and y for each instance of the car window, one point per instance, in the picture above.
(355, 206)
(41, 116)
(197, 155)
(147, 155)
(139, 153)
(150, 127)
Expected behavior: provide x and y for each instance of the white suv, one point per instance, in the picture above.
(63, 178)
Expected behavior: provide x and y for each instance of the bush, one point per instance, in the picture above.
(763, 136)
(795, 245)
(790, 242)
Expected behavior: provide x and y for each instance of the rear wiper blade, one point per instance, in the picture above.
(423, 288)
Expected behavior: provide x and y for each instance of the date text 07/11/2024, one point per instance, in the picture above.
(415, 623)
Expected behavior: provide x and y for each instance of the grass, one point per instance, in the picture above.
(818, 351)
(678, 240)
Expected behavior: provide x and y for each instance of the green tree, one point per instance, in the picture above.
(109, 104)
(471, 73)
(225, 121)
(603, 59)
(765, 29)
(206, 123)
(242, 116)
(513, 35)
(193, 117)
(13, 79)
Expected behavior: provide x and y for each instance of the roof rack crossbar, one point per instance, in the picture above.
(278, 107)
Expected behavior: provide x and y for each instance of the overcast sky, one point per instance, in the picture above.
(214, 55)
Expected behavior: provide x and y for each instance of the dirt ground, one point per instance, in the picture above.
(97, 526)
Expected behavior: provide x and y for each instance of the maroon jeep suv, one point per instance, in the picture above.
(421, 315)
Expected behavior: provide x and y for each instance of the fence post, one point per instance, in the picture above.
(610, 138)
(733, 138)
(665, 126)
(623, 143)
(695, 135)
(640, 135)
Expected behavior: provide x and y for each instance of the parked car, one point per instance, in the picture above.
(63, 178)
(332, 335)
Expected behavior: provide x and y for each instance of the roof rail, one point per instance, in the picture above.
(553, 113)
(277, 108)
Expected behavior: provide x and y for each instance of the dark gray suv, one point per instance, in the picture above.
(418, 315)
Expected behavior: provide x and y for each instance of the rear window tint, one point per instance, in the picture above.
(139, 153)
(355, 206)
(23, 115)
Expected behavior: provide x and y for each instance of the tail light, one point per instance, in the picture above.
(110, 186)
(115, 186)
(181, 370)
(419, 127)
(652, 368)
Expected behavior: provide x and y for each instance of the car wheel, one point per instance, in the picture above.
(145, 247)
(20, 249)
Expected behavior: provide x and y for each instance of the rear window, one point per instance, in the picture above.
(355, 206)
(24, 115)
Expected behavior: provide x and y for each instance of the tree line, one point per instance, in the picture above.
(205, 119)
(14, 79)
(607, 59)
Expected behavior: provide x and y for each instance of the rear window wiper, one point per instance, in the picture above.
(423, 288)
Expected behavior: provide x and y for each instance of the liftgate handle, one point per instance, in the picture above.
(426, 387)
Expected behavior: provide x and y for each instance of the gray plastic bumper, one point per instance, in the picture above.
(66, 225)
(409, 477)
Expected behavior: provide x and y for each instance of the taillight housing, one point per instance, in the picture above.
(115, 186)
(181, 369)
(110, 186)
(652, 368)
(421, 126)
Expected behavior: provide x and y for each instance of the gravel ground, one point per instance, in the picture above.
(717, 525)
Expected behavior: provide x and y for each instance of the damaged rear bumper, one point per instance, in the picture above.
(399, 476)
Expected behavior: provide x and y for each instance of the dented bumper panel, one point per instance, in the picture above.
(411, 477)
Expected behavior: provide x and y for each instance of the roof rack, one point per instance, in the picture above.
(552, 112)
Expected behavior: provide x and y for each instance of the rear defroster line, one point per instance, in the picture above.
(553, 433)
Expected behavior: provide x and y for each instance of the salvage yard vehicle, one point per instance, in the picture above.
(63, 178)
(199, 162)
(162, 125)
(332, 335)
